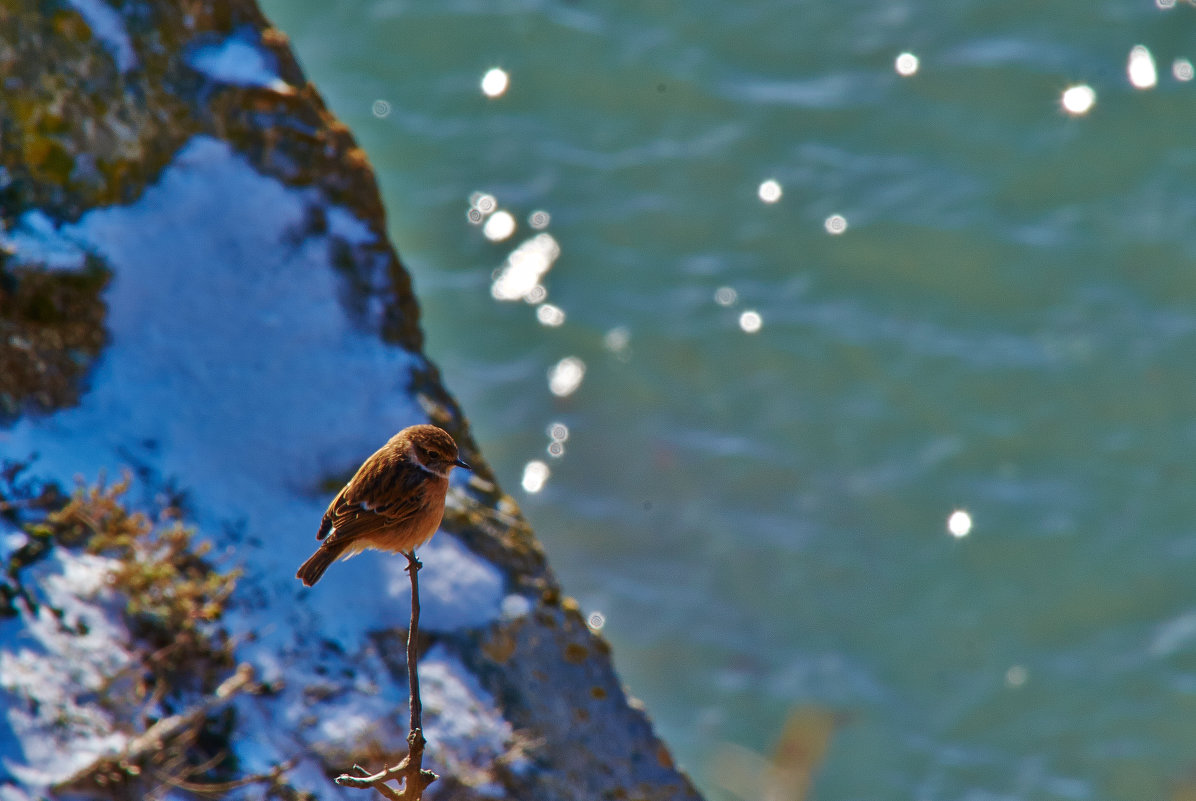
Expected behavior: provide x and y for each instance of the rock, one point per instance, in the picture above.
(196, 284)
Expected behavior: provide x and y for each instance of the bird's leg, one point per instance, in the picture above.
(412, 562)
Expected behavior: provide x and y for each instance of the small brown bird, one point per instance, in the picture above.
(394, 502)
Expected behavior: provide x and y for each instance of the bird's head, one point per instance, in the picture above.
(433, 448)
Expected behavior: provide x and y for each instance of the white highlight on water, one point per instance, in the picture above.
(959, 524)
(535, 474)
(565, 376)
(769, 191)
(483, 202)
(527, 264)
(499, 226)
(495, 82)
(549, 315)
(1140, 67)
(906, 64)
(1078, 100)
(618, 341)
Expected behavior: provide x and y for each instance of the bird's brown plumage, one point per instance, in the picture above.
(394, 502)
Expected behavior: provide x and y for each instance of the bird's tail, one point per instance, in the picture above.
(311, 570)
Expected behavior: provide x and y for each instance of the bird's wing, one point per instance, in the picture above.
(364, 507)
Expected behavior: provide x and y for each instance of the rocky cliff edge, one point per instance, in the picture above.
(203, 330)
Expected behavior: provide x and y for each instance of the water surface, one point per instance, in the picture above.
(775, 422)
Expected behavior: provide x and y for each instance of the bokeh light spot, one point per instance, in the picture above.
(520, 277)
(835, 224)
(1181, 68)
(750, 321)
(535, 475)
(480, 205)
(495, 82)
(959, 524)
(1140, 67)
(769, 191)
(906, 64)
(499, 226)
(725, 296)
(549, 315)
(381, 109)
(565, 376)
(1078, 99)
(618, 341)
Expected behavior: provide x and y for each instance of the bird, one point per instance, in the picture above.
(394, 502)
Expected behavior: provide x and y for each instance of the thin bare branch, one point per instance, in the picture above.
(410, 770)
(150, 743)
(165, 729)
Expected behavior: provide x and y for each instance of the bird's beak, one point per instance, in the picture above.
(460, 463)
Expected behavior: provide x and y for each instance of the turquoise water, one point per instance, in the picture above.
(1006, 326)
